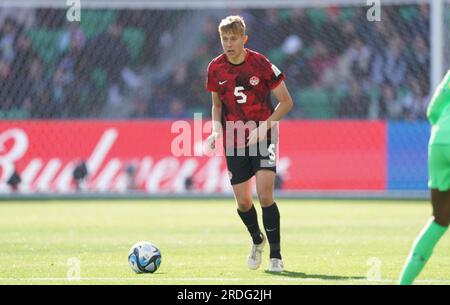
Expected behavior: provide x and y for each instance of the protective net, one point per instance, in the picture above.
(141, 63)
(367, 82)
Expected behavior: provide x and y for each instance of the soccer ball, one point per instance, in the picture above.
(144, 257)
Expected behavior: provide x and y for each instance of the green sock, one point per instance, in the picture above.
(421, 251)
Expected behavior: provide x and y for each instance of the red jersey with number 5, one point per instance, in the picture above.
(244, 89)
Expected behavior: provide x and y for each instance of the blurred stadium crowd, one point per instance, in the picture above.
(339, 65)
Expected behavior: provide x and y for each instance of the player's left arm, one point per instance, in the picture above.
(440, 100)
(285, 105)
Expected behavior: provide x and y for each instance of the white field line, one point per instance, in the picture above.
(63, 279)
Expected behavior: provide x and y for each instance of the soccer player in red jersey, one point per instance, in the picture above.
(241, 82)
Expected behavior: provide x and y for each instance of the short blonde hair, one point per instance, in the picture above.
(234, 24)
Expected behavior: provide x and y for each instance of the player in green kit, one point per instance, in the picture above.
(439, 183)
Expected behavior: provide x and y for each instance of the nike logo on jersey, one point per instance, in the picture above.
(221, 83)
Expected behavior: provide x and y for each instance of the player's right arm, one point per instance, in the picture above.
(216, 115)
(440, 100)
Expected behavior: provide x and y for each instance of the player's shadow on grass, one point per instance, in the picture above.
(303, 275)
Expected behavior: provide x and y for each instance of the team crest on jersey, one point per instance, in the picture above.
(254, 80)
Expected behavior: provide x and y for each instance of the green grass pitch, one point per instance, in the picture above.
(204, 242)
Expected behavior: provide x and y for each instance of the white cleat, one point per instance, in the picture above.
(276, 265)
(254, 258)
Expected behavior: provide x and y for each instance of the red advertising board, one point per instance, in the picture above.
(313, 155)
(335, 155)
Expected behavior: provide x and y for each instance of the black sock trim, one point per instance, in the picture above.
(250, 220)
(271, 221)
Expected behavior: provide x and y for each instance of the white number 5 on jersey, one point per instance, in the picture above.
(242, 98)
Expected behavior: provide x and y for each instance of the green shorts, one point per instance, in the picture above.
(439, 167)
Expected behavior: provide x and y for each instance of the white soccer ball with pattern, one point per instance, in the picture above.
(144, 257)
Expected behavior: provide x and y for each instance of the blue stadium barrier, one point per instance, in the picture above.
(407, 155)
